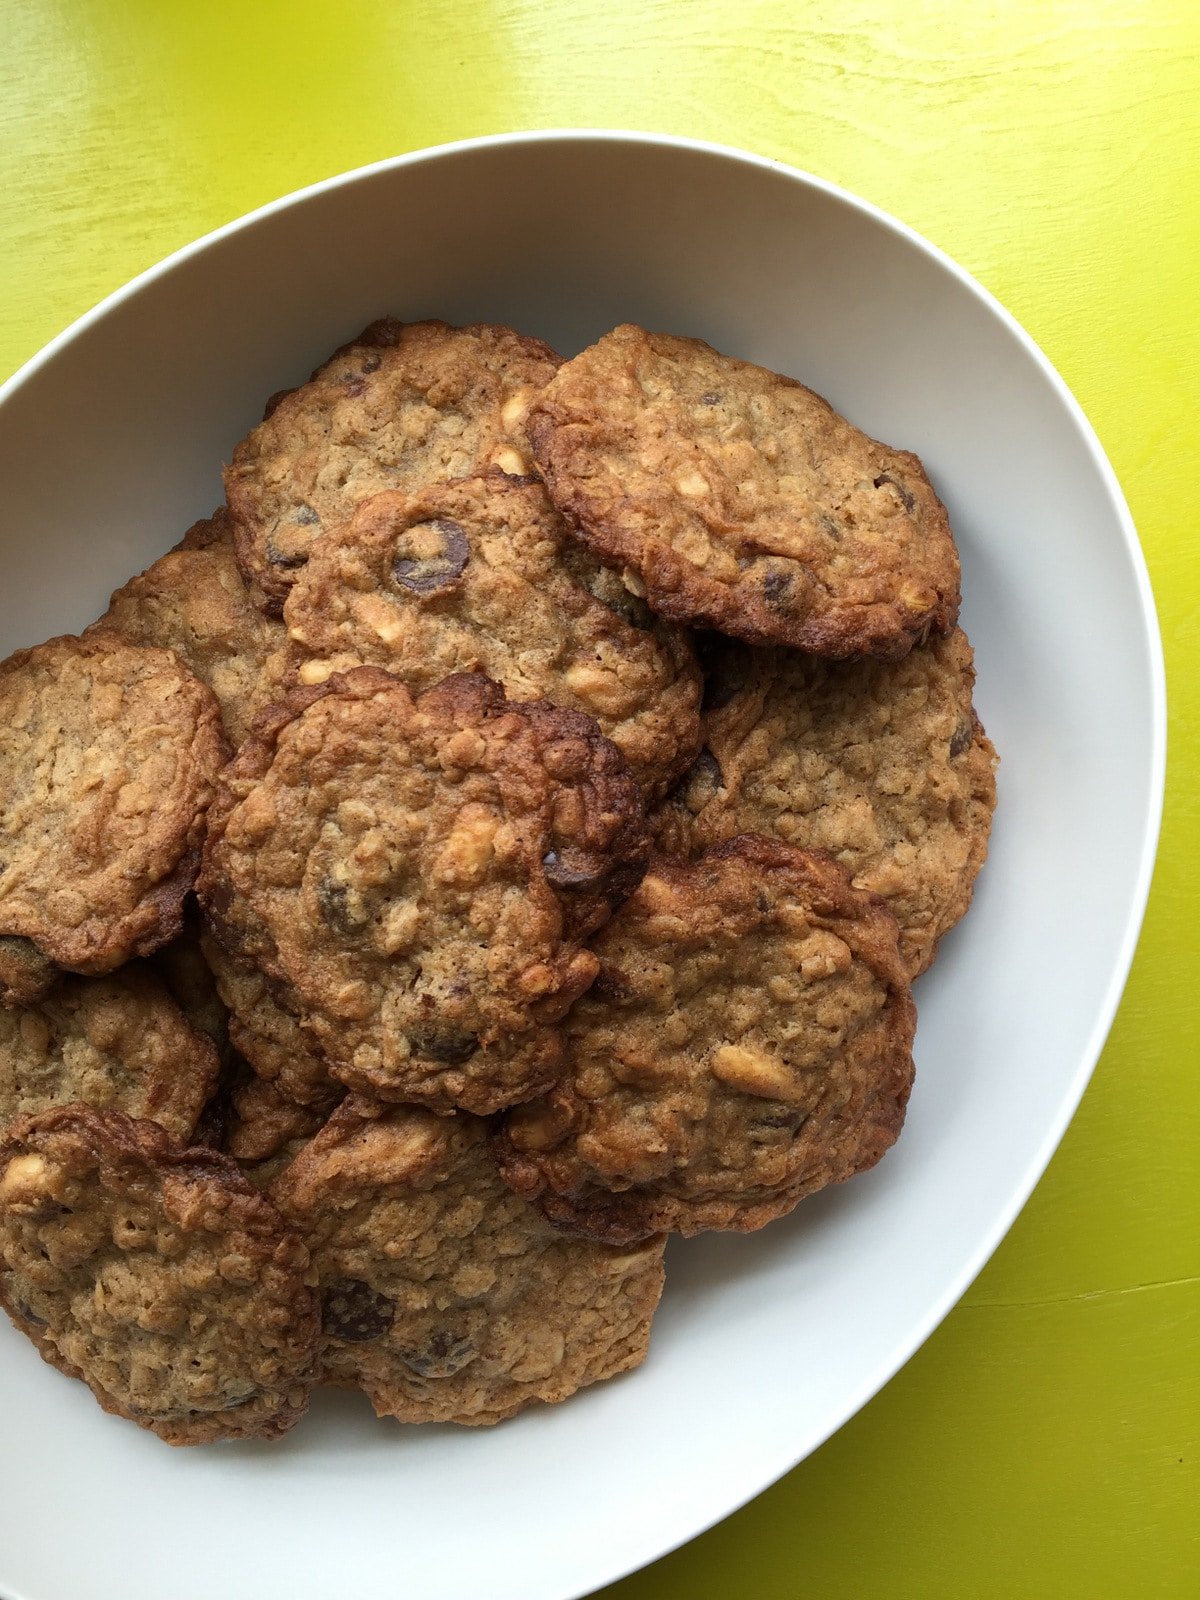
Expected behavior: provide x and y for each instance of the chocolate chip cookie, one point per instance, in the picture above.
(747, 1041)
(742, 501)
(420, 875)
(402, 406)
(481, 575)
(108, 758)
(117, 1042)
(883, 764)
(444, 1296)
(158, 1276)
(193, 601)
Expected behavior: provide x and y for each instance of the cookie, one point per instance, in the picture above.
(193, 601)
(108, 758)
(265, 1030)
(883, 764)
(444, 1296)
(742, 501)
(402, 406)
(114, 1043)
(747, 1041)
(481, 575)
(158, 1276)
(419, 876)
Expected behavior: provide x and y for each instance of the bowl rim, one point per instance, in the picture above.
(1151, 643)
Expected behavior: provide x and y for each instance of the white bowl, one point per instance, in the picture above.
(110, 444)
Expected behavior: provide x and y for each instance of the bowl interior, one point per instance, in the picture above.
(112, 443)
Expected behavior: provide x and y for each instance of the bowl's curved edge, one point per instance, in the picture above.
(1151, 642)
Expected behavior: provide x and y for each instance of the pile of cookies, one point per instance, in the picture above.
(503, 834)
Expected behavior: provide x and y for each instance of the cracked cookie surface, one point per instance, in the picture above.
(444, 1296)
(419, 875)
(158, 1276)
(193, 601)
(108, 758)
(481, 575)
(402, 406)
(748, 1041)
(742, 501)
(118, 1042)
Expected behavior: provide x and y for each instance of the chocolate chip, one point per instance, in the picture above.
(699, 783)
(831, 528)
(441, 1356)
(352, 1310)
(710, 399)
(782, 1116)
(963, 734)
(372, 364)
(341, 907)
(776, 586)
(449, 1047)
(353, 386)
(574, 869)
(306, 516)
(425, 574)
(280, 558)
(886, 477)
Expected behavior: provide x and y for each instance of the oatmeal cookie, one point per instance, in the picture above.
(742, 501)
(883, 764)
(158, 1276)
(481, 575)
(193, 601)
(116, 1042)
(748, 1041)
(420, 875)
(108, 758)
(444, 1296)
(402, 406)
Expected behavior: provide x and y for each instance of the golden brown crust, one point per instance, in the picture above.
(158, 1276)
(115, 1043)
(882, 764)
(108, 758)
(419, 876)
(742, 500)
(264, 1130)
(193, 601)
(481, 575)
(445, 1297)
(401, 406)
(747, 1042)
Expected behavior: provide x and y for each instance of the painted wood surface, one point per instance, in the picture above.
(1045, 1441)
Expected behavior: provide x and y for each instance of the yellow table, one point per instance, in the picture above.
(1045, 1441)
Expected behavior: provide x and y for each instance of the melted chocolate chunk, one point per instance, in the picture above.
(426, 574)
(449, 1047)
(341, 907)
(442, 1355)
(352, 1310)
(906, 498)
(960, 743)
